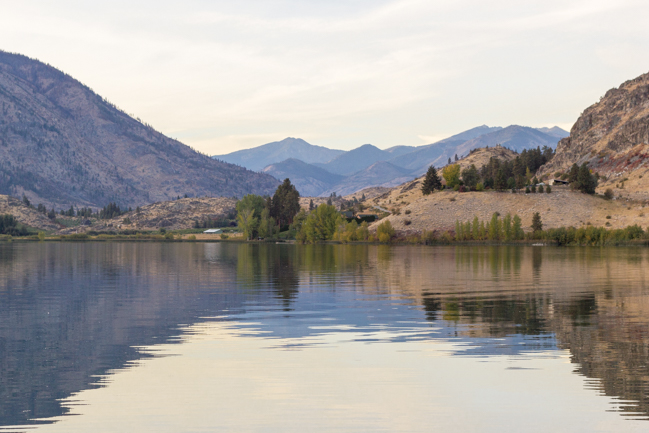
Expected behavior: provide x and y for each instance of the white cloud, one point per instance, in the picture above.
(223, 74)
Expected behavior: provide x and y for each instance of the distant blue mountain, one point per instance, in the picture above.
(316, 170)
(259, 157)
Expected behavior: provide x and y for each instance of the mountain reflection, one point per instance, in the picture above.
(72, 313)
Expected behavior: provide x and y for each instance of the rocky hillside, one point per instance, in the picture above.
(170, 215)
(26, 215)
(62, 144)
(612, 136)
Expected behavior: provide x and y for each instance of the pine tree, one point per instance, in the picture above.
(431, 181)
(311, 205)
(537, 225)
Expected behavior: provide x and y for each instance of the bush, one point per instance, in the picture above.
(408, 212)
(479, 187)
(224, 236)
(548, 190)
(169, 236)
(191, 237)
(608, 194)
(41, 236)
(385, 231)
(407, 222)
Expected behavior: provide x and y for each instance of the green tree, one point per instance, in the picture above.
(586, 181)
(476, 228)
(285, 203)
(573, 174)
(471, 177)
(247, 222)
(320, 225)
(266, 225)
(500, 182)
(452, 175)
(507, 227)
(495, 229)
(517, 228)
(385, 231)
(537, 225)
(431, 181)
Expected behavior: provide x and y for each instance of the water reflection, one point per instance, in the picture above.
(72, 313)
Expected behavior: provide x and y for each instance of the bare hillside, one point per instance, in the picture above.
(562, 207)
(61, 144)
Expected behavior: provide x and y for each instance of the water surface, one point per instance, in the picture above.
(237, 337)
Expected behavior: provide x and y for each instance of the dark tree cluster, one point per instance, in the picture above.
(109, 211)
(9, 226)
(501, 175)
(580, 178)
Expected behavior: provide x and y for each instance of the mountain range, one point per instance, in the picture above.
(318, 171)
(61, 144)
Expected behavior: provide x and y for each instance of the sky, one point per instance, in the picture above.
(222, 76)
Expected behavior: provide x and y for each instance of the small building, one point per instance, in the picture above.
(213, 231)
(558, 182)
(367, 217)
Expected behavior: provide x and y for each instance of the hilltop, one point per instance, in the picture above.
(413, 212)
(62, 144)
(612, 136)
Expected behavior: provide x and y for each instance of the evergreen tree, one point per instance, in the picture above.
(537, 225)
(26, 201)
(449, 161)
(470, 176)
(573, 174)
(456, 158)
(431, 181)
(500, 181)
(586, 181)
(285, 203)
(311, 205)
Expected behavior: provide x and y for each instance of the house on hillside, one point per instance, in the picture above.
(557, 182)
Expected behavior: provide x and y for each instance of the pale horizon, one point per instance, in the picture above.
(221, 77)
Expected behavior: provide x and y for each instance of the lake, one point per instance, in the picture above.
(204, 337)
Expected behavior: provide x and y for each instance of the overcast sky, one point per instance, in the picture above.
(225, 75)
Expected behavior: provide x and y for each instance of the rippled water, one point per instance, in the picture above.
(234, 337)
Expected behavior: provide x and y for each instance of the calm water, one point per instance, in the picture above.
(275, 338)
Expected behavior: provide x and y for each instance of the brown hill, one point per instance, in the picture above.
(26, 215)
(562, 207)
(62, 144)
(171, 215)
(480, 157)
(612, 136)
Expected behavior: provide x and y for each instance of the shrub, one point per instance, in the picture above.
(224, 236)
(548, 190)
(408, 212)
(41, 236)
(608, 217)
(169, 236)
(407, 222)
(608, 194)
(385, 231)
(191, 237)
(451, 199)
(479, 187)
